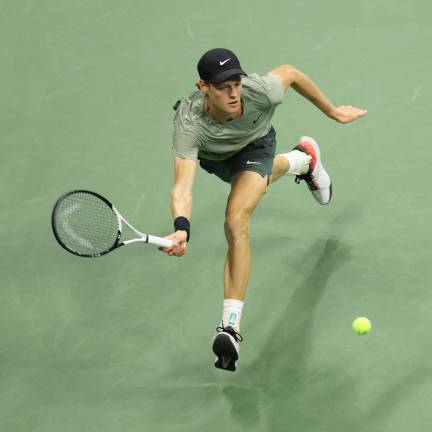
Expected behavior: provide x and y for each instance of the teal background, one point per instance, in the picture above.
(123, 343)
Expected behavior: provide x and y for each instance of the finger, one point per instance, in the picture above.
(169, 251)
(181, 251)
(360, 113)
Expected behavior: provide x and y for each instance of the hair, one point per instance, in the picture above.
(231, 78)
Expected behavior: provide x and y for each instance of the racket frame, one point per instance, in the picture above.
(144, 238)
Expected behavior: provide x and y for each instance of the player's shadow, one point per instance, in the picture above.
(274, 374)
(293, 329)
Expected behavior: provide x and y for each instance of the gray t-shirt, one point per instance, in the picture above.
(197, 135)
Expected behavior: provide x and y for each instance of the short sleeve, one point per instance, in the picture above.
(185, 138)
(274, 89)
(185, 145)
(265, 91)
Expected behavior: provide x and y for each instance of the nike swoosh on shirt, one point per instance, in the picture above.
(257, 118)
(223, 62)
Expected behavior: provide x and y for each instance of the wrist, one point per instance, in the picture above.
(332, 113)
(181, 235)
(182, 223)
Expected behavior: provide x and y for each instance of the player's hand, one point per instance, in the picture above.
(347, 113)
(178, 247)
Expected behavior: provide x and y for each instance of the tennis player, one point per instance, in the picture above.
(225, 125)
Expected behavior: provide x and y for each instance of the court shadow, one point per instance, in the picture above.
(244, 405)
(401, 389)
(280, 371)
(293, 329)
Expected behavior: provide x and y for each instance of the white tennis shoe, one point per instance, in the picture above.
(226, 348)
(317, 179)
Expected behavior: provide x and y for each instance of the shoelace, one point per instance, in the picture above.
(237, 336)
(308, 179)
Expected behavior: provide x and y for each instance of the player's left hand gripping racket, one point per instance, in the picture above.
(88, 225)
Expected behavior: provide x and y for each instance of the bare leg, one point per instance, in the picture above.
(280, 167)
(246, 191)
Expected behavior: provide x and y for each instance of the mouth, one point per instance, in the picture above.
(233, 104)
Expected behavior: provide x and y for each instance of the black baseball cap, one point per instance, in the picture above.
(218, 64)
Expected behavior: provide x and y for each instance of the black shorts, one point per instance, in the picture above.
(257, 156)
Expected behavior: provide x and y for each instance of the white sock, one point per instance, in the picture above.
(298, 162)
(232, 310)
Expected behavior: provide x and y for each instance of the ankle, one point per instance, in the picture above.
(298, 162)
(231, 315)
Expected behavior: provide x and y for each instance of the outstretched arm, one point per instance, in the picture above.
(301, 83)
(181, 202)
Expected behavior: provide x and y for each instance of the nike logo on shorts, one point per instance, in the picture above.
(252, 162)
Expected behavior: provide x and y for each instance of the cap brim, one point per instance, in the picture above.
(223, 76)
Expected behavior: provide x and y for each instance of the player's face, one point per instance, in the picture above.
(226, 96)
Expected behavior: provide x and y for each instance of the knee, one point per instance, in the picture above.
(237, 226)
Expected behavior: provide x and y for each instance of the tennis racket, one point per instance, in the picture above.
(88, 225)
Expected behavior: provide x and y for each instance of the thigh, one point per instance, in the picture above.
(247, 189)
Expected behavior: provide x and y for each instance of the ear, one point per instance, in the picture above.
(203, 86)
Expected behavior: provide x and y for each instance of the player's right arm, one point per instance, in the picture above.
(181, 202)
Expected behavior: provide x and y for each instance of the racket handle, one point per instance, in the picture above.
(159, 241)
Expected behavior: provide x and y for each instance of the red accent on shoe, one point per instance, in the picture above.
(308, 148)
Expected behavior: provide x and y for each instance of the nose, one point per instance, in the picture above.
(233, 93)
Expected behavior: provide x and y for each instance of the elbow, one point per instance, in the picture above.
(287, 67)
(289, 71)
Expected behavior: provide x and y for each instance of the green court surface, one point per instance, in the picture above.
(123, 343)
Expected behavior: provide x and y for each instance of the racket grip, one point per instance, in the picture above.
(159, 241)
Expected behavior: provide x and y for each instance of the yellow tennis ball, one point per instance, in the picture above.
(362, 326)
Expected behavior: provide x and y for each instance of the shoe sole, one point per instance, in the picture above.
(223, 347)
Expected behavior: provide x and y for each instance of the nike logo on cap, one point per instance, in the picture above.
(223, 62)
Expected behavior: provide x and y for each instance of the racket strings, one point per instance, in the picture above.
(86, 224)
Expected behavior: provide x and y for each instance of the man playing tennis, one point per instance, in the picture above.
(225, 124)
